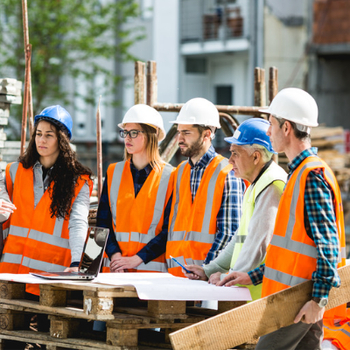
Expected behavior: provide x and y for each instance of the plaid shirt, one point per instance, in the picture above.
(230, 212)
(321, 227)
(157, 245)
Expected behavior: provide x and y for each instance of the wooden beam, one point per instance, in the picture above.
(151, 83)
(139, 83)
(242, 324)
(259, 87)
(273, 83)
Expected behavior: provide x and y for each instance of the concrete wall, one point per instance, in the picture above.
(329, 84)
(284, 42)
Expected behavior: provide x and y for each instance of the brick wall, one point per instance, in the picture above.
(331, 21)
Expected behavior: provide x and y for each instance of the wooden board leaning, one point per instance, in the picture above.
(255, 319)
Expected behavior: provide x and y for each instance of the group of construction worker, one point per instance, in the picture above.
(232, 221)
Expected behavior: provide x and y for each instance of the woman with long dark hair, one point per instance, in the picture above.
(50, 189)
(133, 204)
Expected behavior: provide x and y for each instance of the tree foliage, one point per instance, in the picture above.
(76, 38)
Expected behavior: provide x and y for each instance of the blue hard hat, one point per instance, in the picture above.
(252, 131)
(58, 116)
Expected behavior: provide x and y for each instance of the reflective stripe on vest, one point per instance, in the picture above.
(54, 239)
(193, 222)
(197, 236)
(290, 241)
(36, 242)
(132, 241)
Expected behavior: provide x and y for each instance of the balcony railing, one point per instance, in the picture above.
(204, 20)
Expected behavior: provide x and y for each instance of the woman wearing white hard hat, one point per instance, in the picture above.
(135, 194)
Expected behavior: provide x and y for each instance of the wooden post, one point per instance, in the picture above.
(29, 85)
(99, 150)
(139, 83)
(28, 52)
(273, 89)
(152, 83)
(273, 83)
(259, 87)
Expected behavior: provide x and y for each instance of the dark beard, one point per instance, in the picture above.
(194, 149)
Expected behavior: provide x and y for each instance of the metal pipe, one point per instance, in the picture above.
(175, 107)
(29, 81)
(233, 121)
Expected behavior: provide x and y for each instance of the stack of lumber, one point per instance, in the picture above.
(10, 92)
(330, 144)
(72, 307)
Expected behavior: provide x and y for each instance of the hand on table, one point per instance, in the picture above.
(234, 278)
(215, 278)
(197, 273)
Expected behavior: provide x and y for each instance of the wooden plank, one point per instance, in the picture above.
(31, 306)
(139, 83)
(44, 338)
(255, 319)
(322, 132)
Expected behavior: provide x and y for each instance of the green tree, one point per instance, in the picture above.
(77, 38)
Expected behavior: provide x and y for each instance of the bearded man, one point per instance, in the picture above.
(207, 197)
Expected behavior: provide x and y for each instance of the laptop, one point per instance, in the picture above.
(90, 261)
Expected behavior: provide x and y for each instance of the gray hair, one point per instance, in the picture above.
(265, 154)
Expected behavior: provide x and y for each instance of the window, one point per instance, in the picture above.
(223, 95)
(196, 65)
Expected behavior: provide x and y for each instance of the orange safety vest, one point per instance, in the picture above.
(339, 334)
(292, 255)
(136, 221)
(35, 242)
(193, 224)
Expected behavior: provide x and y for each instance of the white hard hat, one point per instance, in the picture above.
(144, 114)
(295, 105)
(198, 111)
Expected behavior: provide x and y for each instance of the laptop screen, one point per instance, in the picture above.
(95, 243)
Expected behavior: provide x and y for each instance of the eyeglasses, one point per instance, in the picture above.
(132, 133)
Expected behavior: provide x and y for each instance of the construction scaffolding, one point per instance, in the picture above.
(146, 91)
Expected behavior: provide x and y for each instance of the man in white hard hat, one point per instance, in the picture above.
(309, 243)
(251, 158)
(207, 198)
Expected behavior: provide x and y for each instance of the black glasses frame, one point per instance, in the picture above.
(132, 133)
